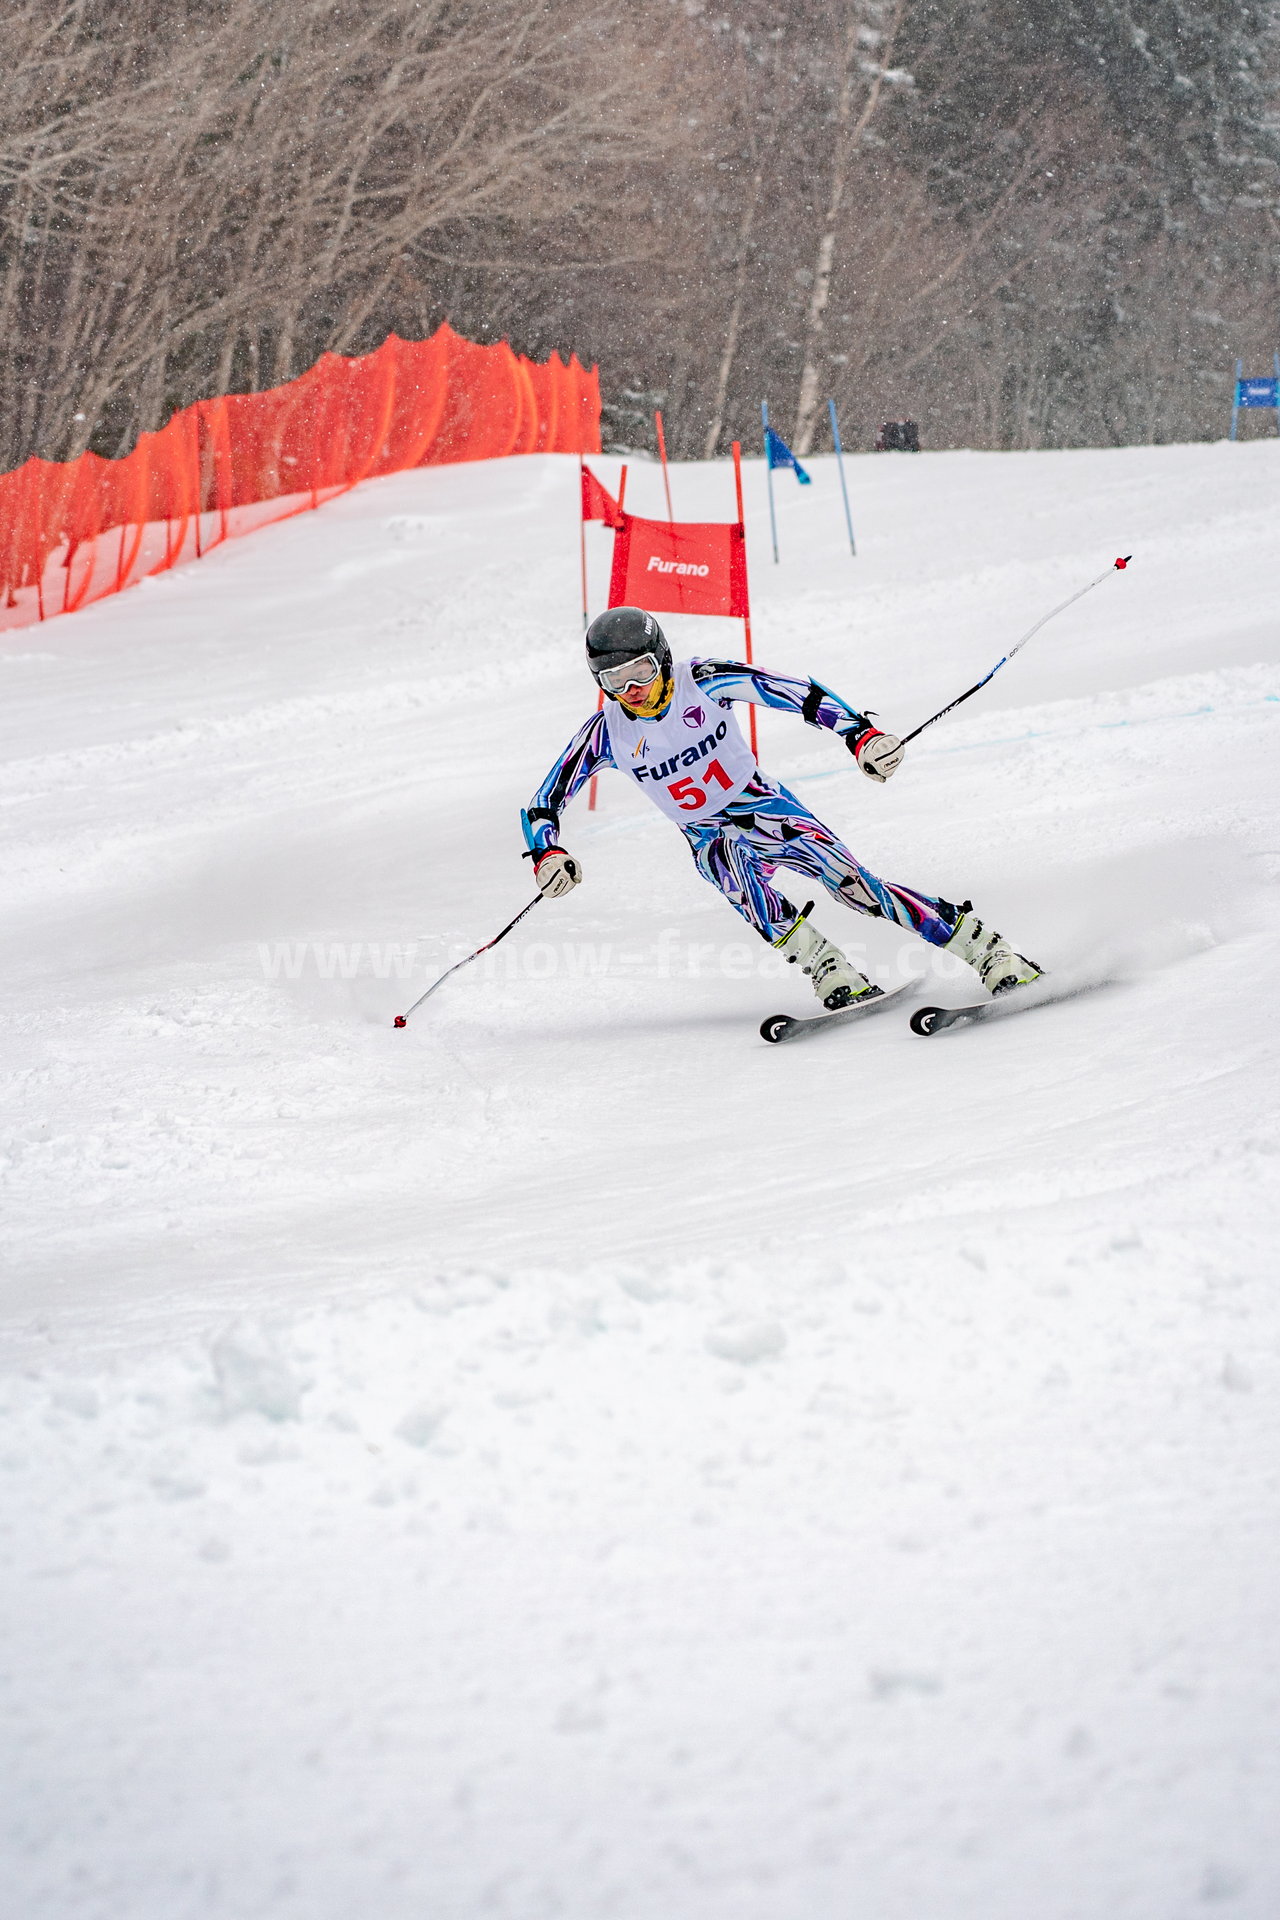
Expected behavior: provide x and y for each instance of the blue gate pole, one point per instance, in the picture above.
(1276, 364)
(1235, 397)
(835, 435)
(768, 475)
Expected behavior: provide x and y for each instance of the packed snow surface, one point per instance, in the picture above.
(567, 1458)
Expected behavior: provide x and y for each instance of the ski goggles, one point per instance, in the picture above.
(633, 673)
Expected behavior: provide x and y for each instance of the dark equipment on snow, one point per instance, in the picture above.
(1044, 992)
(781, 1027)
(1117, 566)
(898, 436)
(402, 1019)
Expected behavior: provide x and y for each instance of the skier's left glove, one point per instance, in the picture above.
(556, 872)
(878, 754)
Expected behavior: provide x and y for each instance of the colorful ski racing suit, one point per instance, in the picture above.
(741, 826)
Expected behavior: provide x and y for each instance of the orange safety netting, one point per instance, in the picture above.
(73, 531)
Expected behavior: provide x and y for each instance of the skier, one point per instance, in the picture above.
(670, 726)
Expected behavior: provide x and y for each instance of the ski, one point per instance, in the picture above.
(1037, 993)
(781, 1027)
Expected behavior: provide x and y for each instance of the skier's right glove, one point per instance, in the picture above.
(878, 754)
(556, 872)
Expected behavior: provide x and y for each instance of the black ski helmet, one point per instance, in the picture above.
(622, 634)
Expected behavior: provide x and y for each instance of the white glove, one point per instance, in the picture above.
(556, 872)
(878, 754)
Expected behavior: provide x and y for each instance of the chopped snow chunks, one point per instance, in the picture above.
(568, 1457)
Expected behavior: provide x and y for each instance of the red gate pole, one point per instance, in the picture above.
(582, 537)
(591, 790)
(746, 618)
(622, 494)
(662, 454)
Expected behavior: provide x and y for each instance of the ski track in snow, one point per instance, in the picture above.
(568, 1458)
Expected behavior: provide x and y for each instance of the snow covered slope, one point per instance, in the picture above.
(568, 1458)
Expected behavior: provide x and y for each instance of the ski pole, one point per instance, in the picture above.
(1117, 566)
(402, 1019)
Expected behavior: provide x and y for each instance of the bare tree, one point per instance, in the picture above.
(868, 25)
(1063, 231)
(754, 87)
(191, 192)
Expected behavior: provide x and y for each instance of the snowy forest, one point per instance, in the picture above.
(1026, 223)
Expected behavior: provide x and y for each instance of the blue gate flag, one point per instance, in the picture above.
(779, 454)
(1256, 390)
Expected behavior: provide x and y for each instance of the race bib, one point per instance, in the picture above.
(692, 760)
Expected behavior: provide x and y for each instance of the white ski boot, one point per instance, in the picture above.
(994, 961)
(836, 981)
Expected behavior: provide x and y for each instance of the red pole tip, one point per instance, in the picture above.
(399, 1021)
(1122, 564)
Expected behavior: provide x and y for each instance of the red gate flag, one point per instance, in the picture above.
(597, 502)
(680, 567)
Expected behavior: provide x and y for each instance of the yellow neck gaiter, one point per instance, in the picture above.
(657, 703)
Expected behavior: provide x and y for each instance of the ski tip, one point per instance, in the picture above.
(774, 1027)
(399, 1021)
(925, 1019)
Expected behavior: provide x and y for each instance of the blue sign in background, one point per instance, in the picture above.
(1262, 390)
